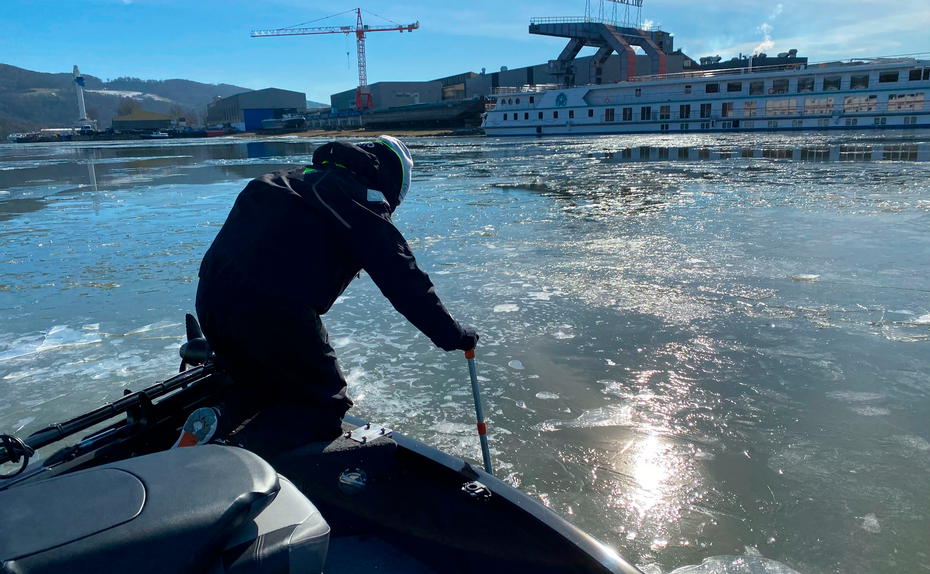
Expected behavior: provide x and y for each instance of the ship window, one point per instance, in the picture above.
(705, 110)
(914, 74)
(609, 114)
(927, 73)
(749, 108)
(781, 107)
(887, 77)
(590, 112)
(518, 100)
(711, 88)
(734, 86)
(859, 82)
(639, 92)
(854, 104)
(780, 86)
(683, 126)
(645, 113)
(555, 115)
(684, 111)
(540, 115)
(687, 88)
(900, 102)
(526, 115)
(727, 109)
(756, 88)
(806, 84)
(818, 105)
(665, 112)
(532, 99)
(831, 83)
(571, 113)
(627, 114)
(509, 100)
(505, 117)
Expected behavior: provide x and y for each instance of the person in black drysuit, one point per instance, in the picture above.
(291, 244)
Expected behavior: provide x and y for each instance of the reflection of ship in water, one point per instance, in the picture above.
(825, 152)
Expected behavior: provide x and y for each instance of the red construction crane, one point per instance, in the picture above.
(362, 95)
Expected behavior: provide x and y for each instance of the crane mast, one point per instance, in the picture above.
(363, 100)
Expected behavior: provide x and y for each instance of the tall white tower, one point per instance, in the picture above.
(82, 111)
(79, 88)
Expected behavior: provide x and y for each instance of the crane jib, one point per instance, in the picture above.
(363, 100)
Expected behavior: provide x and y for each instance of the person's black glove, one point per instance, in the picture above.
(468, 341)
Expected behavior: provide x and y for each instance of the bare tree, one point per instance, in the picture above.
(127, 106)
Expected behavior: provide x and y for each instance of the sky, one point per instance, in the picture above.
(209, 40)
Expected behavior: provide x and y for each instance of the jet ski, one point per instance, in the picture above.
(114, 496)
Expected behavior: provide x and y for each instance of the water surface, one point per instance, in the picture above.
(688, 356)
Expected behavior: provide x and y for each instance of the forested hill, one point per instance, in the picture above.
(31, 100)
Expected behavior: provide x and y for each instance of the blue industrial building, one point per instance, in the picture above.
(246, 111)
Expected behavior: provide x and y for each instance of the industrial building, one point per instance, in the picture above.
(246, 111)
(585, 70)
(395, 94)
(606, 66)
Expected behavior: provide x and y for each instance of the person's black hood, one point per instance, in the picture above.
(364, 166)
(383, 165)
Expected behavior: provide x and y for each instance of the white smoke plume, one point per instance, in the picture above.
(766, 29)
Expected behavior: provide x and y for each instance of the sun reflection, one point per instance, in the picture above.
(651, 471)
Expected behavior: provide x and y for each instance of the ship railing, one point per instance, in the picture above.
(578, 20)
(720, 72)
(560, 20)
(506, 90)
(892, 60)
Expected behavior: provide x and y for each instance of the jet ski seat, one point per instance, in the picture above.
(209, 508)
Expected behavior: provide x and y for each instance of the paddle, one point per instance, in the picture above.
(479, 413)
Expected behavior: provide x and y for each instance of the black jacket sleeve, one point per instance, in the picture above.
(385, 256)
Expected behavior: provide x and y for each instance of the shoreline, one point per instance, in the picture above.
(367, 133)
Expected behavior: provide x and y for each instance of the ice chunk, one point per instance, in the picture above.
(736, 565)
(546, 396)
(870, 524)
(603, 417)
(914, 442)
(506, 308)
(515, 365)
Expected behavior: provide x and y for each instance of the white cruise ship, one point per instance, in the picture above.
(884, 93)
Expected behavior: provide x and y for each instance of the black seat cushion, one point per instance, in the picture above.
(92, 520)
